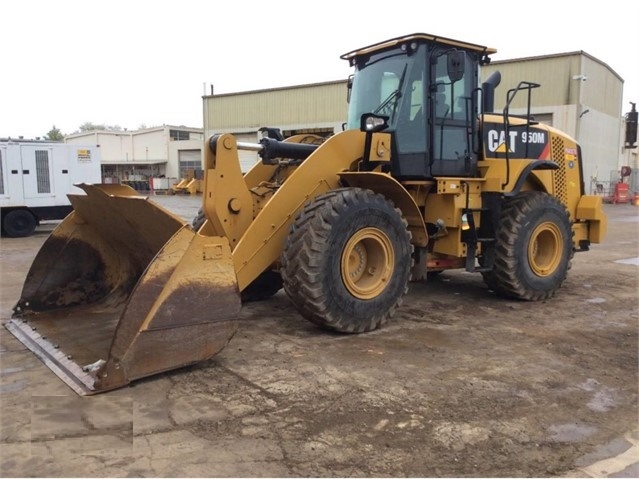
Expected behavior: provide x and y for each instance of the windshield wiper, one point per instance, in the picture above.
(384, 107)
(389, 105)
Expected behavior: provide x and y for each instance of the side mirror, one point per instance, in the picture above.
(372, 123)
(349, 88)
(456, 64)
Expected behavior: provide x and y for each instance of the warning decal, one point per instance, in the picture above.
(84, 156)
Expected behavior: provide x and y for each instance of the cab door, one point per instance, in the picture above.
(453, 78)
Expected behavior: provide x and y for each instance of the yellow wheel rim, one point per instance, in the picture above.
(367, 263)
(545, 249)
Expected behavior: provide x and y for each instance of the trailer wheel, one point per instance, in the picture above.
(347, 260)
(19, 223)
(263, 287)
(533, 249)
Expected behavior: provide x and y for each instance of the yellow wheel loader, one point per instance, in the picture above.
(425, 177)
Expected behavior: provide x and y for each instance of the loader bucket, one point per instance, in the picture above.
(123, 289)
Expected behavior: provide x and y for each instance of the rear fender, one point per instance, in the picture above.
(526, 176)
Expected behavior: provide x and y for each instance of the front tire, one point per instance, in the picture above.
(533, 249)
(347, 260)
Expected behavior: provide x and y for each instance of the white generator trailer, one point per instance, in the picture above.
(35, 178)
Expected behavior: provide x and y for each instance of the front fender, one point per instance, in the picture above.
(393, 190)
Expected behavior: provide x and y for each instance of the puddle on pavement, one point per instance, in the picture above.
(571, 432)
(634, 261)
(602, 401)
(13, 387)
(595, 300)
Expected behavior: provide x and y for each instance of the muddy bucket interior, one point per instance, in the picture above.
(124, 289)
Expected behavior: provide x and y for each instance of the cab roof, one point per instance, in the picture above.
(418, 37)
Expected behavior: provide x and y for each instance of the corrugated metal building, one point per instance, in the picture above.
(579, 94)
(319, 108)
(163, 151)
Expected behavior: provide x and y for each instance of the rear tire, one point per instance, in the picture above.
(533, 249)
(19, 223)
(263, 287)
(347, 260)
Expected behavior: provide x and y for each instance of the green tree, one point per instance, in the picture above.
(54, 134)
(88, 126)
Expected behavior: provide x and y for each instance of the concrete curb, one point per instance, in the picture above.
(623, 464)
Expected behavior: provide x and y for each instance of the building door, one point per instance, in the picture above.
(190, 161)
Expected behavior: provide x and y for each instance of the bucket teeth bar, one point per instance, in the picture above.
(75, 376)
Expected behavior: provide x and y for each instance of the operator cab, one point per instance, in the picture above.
(427, 88)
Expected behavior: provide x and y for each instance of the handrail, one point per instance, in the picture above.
(523, 85)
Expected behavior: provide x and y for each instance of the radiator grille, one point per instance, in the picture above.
(559, 175)
(42, 171)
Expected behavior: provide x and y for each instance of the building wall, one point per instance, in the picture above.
(137, 155)
(552, 73)
(150, 146)
(583, 97)
(302, 107)
(565, 79)
(596, 131)
(321, 103)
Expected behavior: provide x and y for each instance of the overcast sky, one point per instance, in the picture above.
(134, 62)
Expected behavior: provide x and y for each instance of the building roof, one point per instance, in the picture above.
(136, 132)
(280, 88)
(557, 55)
(20, 140)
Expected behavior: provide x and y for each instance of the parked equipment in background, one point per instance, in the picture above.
(35, 179)
(621, 189)
(190, 184)
(187, 186)
(426, 177)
